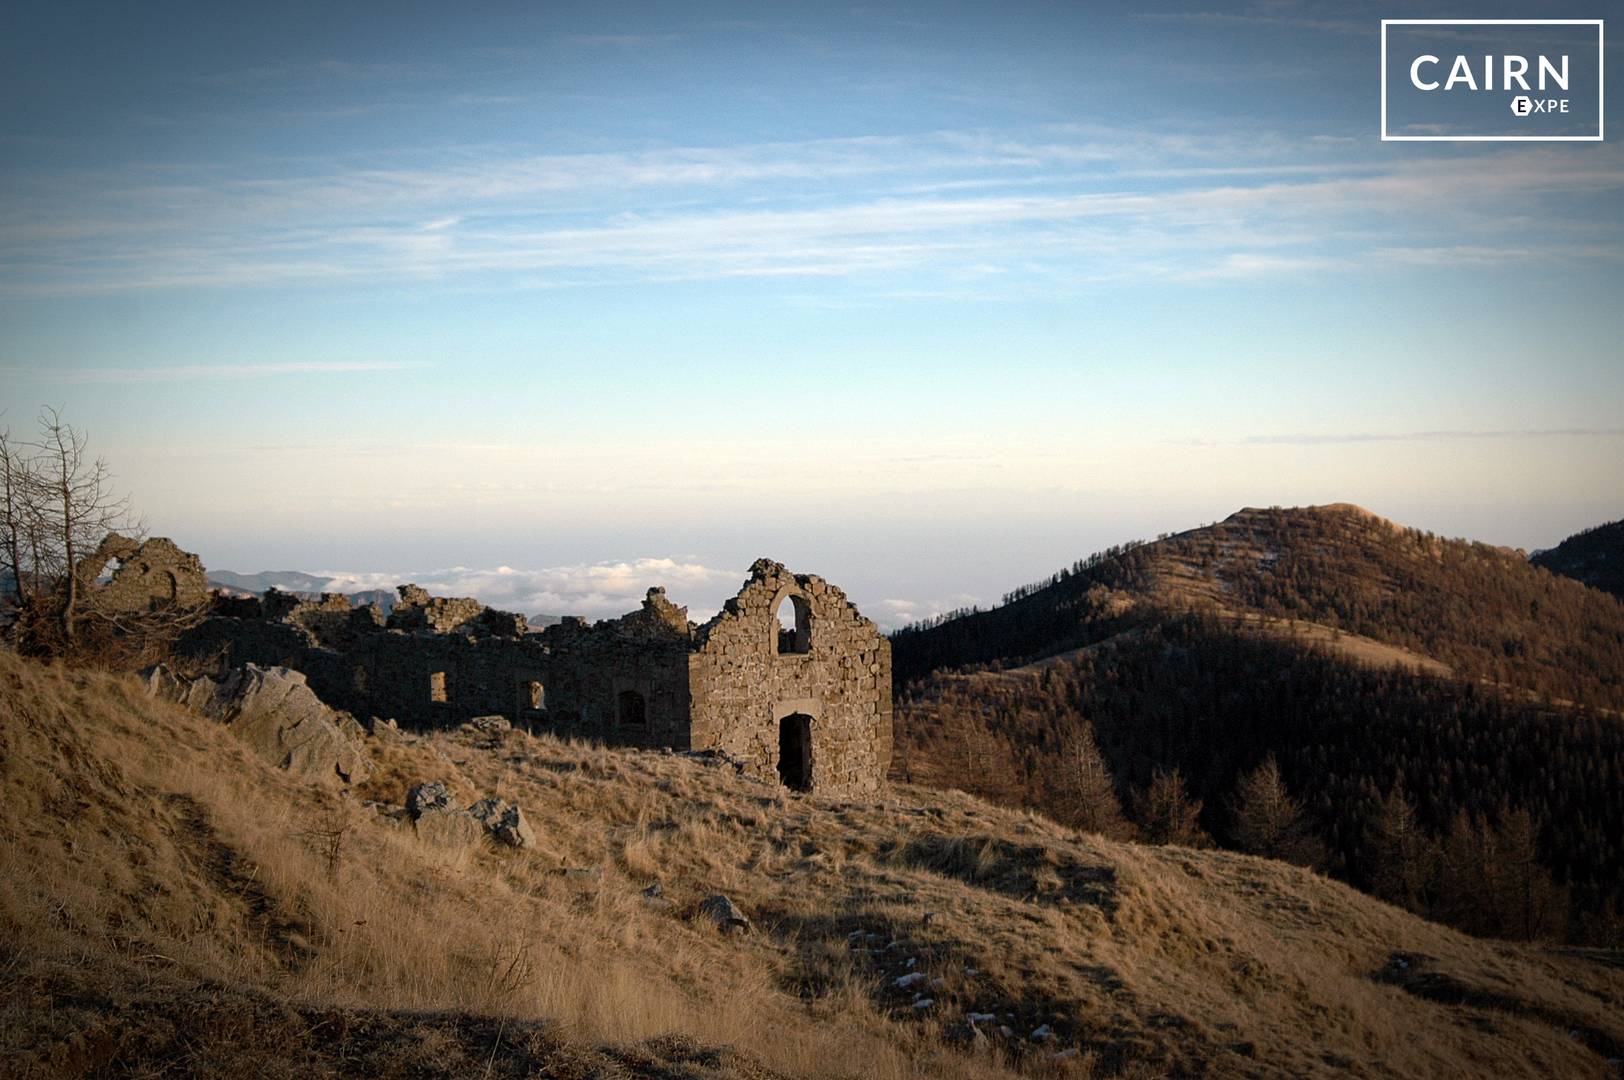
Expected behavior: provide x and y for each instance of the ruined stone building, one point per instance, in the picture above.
(809, 707)
(125, 575)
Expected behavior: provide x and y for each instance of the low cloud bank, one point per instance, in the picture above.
(607, 589)
(594, 590)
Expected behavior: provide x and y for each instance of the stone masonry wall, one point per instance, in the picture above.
(149, 576)
(743, 685)
(650, 678)
(624, 680)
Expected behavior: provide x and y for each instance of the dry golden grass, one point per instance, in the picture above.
(168, 902)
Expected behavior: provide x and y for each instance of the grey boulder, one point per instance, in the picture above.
(275, 712)
(505, 822)
(725, 914)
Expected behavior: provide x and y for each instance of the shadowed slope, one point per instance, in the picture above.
(1594, 556)
(165, 903)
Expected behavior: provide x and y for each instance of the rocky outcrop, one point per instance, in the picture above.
(275, 712)
(505, 822)
(437, 820)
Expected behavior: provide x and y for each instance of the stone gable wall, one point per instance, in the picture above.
(742, 685)
(149, 576)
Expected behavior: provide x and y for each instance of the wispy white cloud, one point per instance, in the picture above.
(623, 41)
(1444, 435)
(893, 613)
(1254, 19)
(1068, 204)
(189, 372)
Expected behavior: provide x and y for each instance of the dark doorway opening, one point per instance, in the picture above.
(632, 710)
(795, 751)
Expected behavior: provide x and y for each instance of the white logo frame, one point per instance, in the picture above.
(1601, 81)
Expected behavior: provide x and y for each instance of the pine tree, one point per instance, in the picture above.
(1404, 859)
(1269, 822)
(1167, 814)
(1530, 904)
(1087, 795)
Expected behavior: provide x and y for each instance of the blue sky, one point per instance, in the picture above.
(929, 299)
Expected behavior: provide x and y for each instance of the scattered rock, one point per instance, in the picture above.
(504, 821)
(386, 730)
(489, 725)
(714, 758)
(725, 914)
(425, 797)
(1042, 1033)
(436, 822)
(905, 981)
(275, 712)
(162, 683)
(386, 811)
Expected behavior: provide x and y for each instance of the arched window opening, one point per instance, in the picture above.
(532, 695)
(632, 710)
(795, 751)
(794, 625)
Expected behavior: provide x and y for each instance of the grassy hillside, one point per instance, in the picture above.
(170, 903)
(1594, 556)
(1481, 611)
(1365, 658)
(1212, 697)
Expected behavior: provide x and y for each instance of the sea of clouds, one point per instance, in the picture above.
(605, 590)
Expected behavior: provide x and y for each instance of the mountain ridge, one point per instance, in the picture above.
(1369, 660)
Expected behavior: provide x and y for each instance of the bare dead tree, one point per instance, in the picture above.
(18, 515)
(57, 503)
(82, 504)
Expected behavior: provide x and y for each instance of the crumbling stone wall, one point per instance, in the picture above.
(150, 576)
(437, 680)
(417, 610)
(811, 708)
(327, 619)
(746, 683)
(623, 680)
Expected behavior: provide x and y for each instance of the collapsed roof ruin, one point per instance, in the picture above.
(808, 707)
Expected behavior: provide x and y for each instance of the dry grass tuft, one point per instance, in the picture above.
(167, 902)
